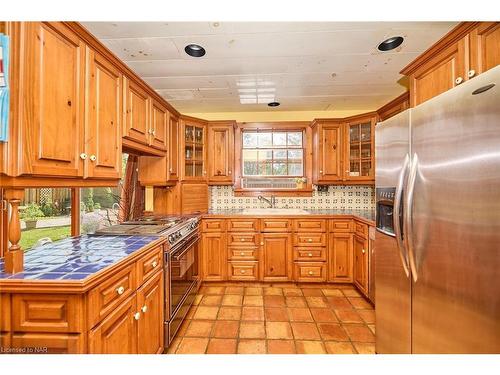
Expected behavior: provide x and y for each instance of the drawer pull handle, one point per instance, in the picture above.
(242, 271)
(311, 272)
(309, 240)
(120, 290)
(144, 308)
(137, 315)
(242, 254)
(309, 255)
(154, 264)
(242, 240)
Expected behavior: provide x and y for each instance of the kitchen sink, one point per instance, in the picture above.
(274, 211)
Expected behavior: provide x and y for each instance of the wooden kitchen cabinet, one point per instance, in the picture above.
(360, 149)
(220, 152)
(214, 256)
(51, 343)
(150, 329)
(173, 149)
(52, 104)
(158, 136)
(277, 261)
(328, 151)
(340, 255)
(103, 118)
(468, 50)
(193, 140)
(360, 245)
(117, 333)
(137, 113)
(395, 106)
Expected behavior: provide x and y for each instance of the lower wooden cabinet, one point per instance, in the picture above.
(340, 257)
(150, 301)
(51, 343)
(277, 259)
(214, 256)
(248, 271)
(307, 272)
(361, 263)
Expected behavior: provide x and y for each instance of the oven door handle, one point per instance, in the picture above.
(185, 248)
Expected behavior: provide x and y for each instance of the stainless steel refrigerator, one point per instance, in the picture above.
(437, 246)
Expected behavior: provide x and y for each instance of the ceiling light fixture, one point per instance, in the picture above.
(195, 50)
(273, 104)
(391, 43)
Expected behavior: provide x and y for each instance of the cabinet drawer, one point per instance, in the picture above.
(243, 225)
(309, 239)
(275, 225)
(309, 225)
(361, 229)
(50, 313)
(243, 270)
(310, 254)
(104, 298)
(212, 225)
(149, 264)
(341, 225)
(51, 343)
(242, 239)
(235, 253)
(314, 271)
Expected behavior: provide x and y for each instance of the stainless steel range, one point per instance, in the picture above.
(180, 261)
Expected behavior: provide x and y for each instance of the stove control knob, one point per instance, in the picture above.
(171, 238)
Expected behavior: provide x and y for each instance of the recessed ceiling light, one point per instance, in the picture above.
(195, 50)
(273, 104)
(391, 43)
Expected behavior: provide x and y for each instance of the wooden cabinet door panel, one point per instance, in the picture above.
(213, 257)
(340, 260)
(159, 126)
(150, 324)
(361, 263)
(439, 74)
(173, 149)
(103, 118)
(137, 113)
(330, 153)
(485, 47)
(117, 333)
(51, 343)
(54, 101)
(277, 263)
(220, 154)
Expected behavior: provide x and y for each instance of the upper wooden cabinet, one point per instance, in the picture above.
(52, 101)
(395, 106)
(343, 150)
(193, 148)
(103, 118)
(158, 132)
(220, 152)
(137, 113)
(173, 150)
(469, 49)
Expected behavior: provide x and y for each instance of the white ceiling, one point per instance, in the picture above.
(312, 66)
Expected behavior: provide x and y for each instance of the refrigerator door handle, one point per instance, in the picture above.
(408, 216)
(396, 216)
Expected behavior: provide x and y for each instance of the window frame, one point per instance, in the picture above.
(297, 126)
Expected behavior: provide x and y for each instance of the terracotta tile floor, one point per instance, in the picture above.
(260, 318)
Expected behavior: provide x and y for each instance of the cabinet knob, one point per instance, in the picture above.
(321, 172)
(83, 156)
(311, 272)
(471, 73)
(242, 253)
(153, 132)
(93, 158)
(309, 255)
(170, 170)
(242, 240)
(363, 251)
(69, 103)
(144, 308)
(262, 244)
(459, 80)
(229, 172)
(309, 240)
(137, 315)
(242, 271)
(154, 264)
(120, 290)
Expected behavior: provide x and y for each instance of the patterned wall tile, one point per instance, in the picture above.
(337, 197)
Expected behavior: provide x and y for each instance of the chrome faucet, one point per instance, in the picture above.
(271, 202)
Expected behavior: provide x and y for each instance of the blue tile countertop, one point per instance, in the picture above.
(76, 258)
(368, 215)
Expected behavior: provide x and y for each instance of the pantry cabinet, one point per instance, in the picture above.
(52, 107)
(469, 49)
(220, 153)
(277, 262)
(103, 118)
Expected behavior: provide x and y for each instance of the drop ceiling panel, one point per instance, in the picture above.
(304, 65)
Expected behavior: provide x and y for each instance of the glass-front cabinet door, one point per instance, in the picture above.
(360, 147)
(194, 151)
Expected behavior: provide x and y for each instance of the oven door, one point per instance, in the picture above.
(183, 267)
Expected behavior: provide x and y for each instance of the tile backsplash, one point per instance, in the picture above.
(337, 197)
